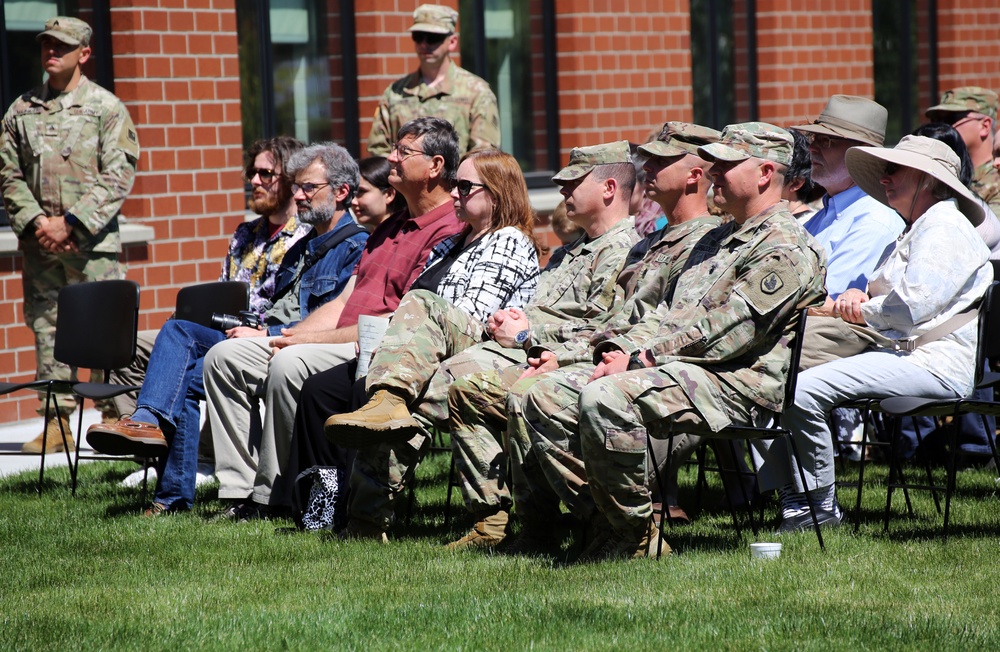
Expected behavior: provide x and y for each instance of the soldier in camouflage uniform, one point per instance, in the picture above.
(68, 152)
(972, 111)
(439, 88)
(718, 354)
(571, 292)
(676, 179)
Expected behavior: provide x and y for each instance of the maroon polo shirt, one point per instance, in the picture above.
(394, 256)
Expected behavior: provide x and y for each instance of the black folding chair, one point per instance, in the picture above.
(748, 433)
(988, 348)
(197, 303)
(95, 329)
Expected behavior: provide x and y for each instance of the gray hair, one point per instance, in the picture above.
(340, 167)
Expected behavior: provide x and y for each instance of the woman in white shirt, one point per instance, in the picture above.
(938, 270)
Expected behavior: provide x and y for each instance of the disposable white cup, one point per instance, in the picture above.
(370, 332)
(765, 550)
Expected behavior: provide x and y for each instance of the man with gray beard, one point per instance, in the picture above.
(315, 271)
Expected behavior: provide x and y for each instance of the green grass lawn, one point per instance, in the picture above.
(91, 573)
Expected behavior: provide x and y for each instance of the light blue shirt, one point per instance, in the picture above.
(855, 231)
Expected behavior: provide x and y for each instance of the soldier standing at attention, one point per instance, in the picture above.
(68, 152)
(438, 89)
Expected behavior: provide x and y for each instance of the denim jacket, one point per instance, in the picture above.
(322, 282)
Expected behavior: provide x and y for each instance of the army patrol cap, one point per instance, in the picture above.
(584, 159)
(851, 117)
(751, 139)
(434, 19)
(963, 100)
(679, 138)
(71, 31)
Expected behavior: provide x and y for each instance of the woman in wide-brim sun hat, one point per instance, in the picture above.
(938, 270)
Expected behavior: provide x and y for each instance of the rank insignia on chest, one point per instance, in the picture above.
(771, 283)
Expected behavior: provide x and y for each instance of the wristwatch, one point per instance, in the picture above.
(635, 361)
(522, 336)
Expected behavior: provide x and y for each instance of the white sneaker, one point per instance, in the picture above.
(205, 474)
(135, 479)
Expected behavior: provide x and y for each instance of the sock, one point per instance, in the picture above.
(142, 415)
(825, 499)
(793, 503)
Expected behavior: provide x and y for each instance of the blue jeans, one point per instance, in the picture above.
(172, 389)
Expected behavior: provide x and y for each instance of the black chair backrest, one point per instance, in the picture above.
(793, 372)
(97, 323)
(196, 303)
(989, 329)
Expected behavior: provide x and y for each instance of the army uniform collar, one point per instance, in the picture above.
(63, 99)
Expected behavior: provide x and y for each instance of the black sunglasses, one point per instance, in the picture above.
(428, 38)
(465, 187)
(265, 174)
(890, 169)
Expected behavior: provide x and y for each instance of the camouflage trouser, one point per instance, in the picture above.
(477, 420)
(44, 275)
(424, 331)
(589, 439)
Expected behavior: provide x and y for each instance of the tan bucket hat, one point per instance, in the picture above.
(866, 166)
(851, 117)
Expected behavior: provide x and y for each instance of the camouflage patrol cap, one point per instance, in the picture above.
(584, 159)
(963, 100)
(71, 31)
(434, 19)
(751, 139)
(679, 138)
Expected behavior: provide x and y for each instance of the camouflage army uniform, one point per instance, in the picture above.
(462, 99)
(477, 401)
(73, 153)
(580, 288)
(722, 356)
(986, 184)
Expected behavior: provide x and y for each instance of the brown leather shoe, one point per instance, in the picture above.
(53, 438)
(127, 437)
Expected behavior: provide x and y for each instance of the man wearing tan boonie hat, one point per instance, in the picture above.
(972, 111)
(439, 88)
(853, 228)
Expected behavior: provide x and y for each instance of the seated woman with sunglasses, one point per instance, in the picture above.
(491, 264)
(920, 310)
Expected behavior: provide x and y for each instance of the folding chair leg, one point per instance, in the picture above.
(701, 454)
(861, 469)
(949, 489)
(805, 485)
(74, 464)
(927, 468)
(451, 484)
(659, 483)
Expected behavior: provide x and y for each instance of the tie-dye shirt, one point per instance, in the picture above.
(254, 257)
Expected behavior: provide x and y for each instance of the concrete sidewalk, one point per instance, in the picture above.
(13, 435)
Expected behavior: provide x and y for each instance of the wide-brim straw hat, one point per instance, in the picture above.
(866, 166)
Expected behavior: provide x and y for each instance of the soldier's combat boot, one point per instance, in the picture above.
(489, 530)
(384, 419)
(637, 542)
(54, 442)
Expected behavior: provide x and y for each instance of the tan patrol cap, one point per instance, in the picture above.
(434, 19)
(71, 31)
(584, 159)
(963, 100)
(751, 139)
(679, 138)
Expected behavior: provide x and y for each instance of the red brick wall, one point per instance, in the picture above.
(968, 44)
(175, 67)
(805, 55)
(624, 69)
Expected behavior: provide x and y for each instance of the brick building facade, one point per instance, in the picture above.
(621, 68)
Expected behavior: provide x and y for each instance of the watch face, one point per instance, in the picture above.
(522, 336)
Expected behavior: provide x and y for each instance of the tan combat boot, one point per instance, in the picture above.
(617, 544)
(384, 419)
(489, 530)
(53, 438)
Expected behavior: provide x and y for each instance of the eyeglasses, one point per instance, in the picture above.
(406, 152)
(266, 175)
(308, 189)
(465, 187)
(428, 38)
(822, 141)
